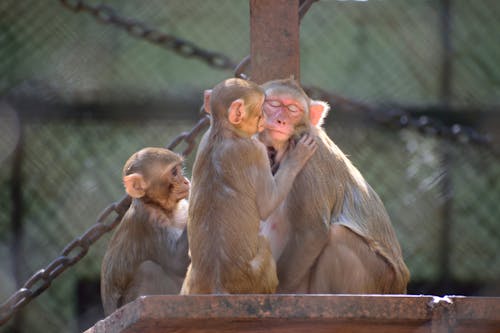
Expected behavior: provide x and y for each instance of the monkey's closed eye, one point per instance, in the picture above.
(274, 103)
(293, 108)
(174, 172)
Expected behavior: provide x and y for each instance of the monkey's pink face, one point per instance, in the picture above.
(282, 114)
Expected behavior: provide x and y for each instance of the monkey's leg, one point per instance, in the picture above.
(265, 264)
(151, 279)
(348, 265)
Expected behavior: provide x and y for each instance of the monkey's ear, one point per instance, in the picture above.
(318, 110)
(135, 185)
(236, 111)
(207, 94)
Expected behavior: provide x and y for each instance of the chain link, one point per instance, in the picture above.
(78, 248)
(398, 118)
(190, 137)
(107, 15)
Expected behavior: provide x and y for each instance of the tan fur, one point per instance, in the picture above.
(232, 190)
(148, 252)
(340, 237)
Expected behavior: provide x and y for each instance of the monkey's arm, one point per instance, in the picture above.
(271, 191)
(274, 190)
(111, 292)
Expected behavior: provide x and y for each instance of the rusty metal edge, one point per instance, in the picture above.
(389, 309)
(476, 308)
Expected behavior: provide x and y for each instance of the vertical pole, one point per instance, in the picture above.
(447, 53)
(446, 162)
(274, 39)
(17, 213)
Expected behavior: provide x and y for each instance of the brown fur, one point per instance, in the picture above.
(338, 238)
(148, 253)
(232, 190)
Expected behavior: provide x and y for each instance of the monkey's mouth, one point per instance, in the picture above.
(278, 130)
(183, 194)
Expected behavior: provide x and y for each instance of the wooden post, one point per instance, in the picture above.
(274, 39)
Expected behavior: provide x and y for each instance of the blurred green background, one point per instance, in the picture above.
(78, 97)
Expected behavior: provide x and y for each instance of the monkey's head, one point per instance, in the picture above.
(155, 175)
(289, 112)
(237, 104)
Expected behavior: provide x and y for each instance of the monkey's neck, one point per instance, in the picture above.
(275, 150)
(229, 131)
(159, 210)
(275, 156)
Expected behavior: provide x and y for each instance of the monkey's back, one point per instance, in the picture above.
(134, 241)
(336, 192)
(227, 253)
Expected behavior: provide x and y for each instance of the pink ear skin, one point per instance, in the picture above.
(207, 94)
(318, 110)
(135, 186)
(236, 111)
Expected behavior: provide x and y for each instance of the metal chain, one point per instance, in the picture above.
(78, 248)
(398, 118)
(190, 137)
(108, 15)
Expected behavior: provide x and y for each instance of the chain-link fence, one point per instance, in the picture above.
(83, 86)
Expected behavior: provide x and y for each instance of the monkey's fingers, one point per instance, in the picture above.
(309, 141)
(308, 146)
(305, 138)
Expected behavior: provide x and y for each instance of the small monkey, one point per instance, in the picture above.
(233, 189)
(148, 253)
(332, 233)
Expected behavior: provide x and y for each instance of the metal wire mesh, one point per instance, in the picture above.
(84, 96)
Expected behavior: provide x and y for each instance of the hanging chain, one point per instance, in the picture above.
(108, 15)
(398, 118)
(78, 248)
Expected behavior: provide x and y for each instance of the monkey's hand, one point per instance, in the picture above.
(302, 151)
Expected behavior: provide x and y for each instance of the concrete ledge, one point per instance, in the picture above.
(304, 313)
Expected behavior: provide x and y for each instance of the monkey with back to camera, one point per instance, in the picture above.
(233, 189)
(148, 253)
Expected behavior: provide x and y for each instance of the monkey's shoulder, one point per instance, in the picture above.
(143, 218)
(243, 150)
